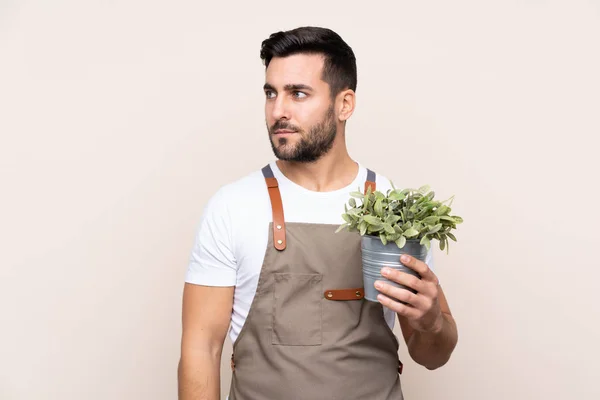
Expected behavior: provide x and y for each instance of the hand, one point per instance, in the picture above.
(422, 310)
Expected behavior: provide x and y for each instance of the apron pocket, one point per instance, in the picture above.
(297, 302)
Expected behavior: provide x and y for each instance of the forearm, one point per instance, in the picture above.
(433, 350)
(199, 376)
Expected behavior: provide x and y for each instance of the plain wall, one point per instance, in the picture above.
(118, 120)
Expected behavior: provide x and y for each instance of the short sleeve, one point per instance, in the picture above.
(430, 262)
(212, 261)
(429, 259)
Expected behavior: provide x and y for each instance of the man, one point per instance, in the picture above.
(266, 255)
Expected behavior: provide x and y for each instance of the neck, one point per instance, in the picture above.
(333, 171)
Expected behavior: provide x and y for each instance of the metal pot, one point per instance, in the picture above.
(376, 255)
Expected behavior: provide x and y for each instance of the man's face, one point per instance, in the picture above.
(298, 108)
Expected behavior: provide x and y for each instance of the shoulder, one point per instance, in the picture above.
(233, 209)
(239, 205)
(233, 195)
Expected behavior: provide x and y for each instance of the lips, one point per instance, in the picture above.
(283, 131)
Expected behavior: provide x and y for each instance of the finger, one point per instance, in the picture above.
(402, 309)
(403, 278)
(401, 294)
(419, 267)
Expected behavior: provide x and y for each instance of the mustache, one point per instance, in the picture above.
(284, 125)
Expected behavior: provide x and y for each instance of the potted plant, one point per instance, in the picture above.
(398, 222)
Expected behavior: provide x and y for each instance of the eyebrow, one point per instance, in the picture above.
(289, 87)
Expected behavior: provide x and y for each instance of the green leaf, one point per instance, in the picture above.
(389, 229)
(354, 212)
(362, 227)
(431, 220)
(392, 219)
(397, 196)
(366, 203)
(436, 228)
(425, 212)
(442, 210)
(352, 202)
(401, 242)
(383, 238)
(347, 218)
(341, 227)
(457, 219)
(424, 189)
(411, 232)
(374, 228)
(451, 236)
(425, 241)
(392, 238)
(379, 207)
(451, 200)
(357, 195)
(442, 244)
(373, 220)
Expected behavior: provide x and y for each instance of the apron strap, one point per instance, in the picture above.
(370, 181)
(277, 206)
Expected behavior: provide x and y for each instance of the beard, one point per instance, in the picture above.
(311, 146)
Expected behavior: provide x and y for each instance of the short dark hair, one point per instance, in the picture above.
(339, 67)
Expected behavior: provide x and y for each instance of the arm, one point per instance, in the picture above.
(205, 319)
(431, 349)
(427, 324)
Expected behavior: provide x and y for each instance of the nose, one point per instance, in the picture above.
(280, 109)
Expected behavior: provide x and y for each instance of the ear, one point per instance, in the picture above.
(347, 102)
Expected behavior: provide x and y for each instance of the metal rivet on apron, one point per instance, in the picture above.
(278, 226)
(357, 294)
(279, 241)
(329, 294)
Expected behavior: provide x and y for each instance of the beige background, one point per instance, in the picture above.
(118, 120)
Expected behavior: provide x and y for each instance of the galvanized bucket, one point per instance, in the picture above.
(376, 255)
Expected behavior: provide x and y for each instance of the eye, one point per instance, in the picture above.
(269, 94)
(300, 95)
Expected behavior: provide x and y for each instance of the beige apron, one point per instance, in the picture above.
(310, 334)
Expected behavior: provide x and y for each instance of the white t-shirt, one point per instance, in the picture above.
(232, 235)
